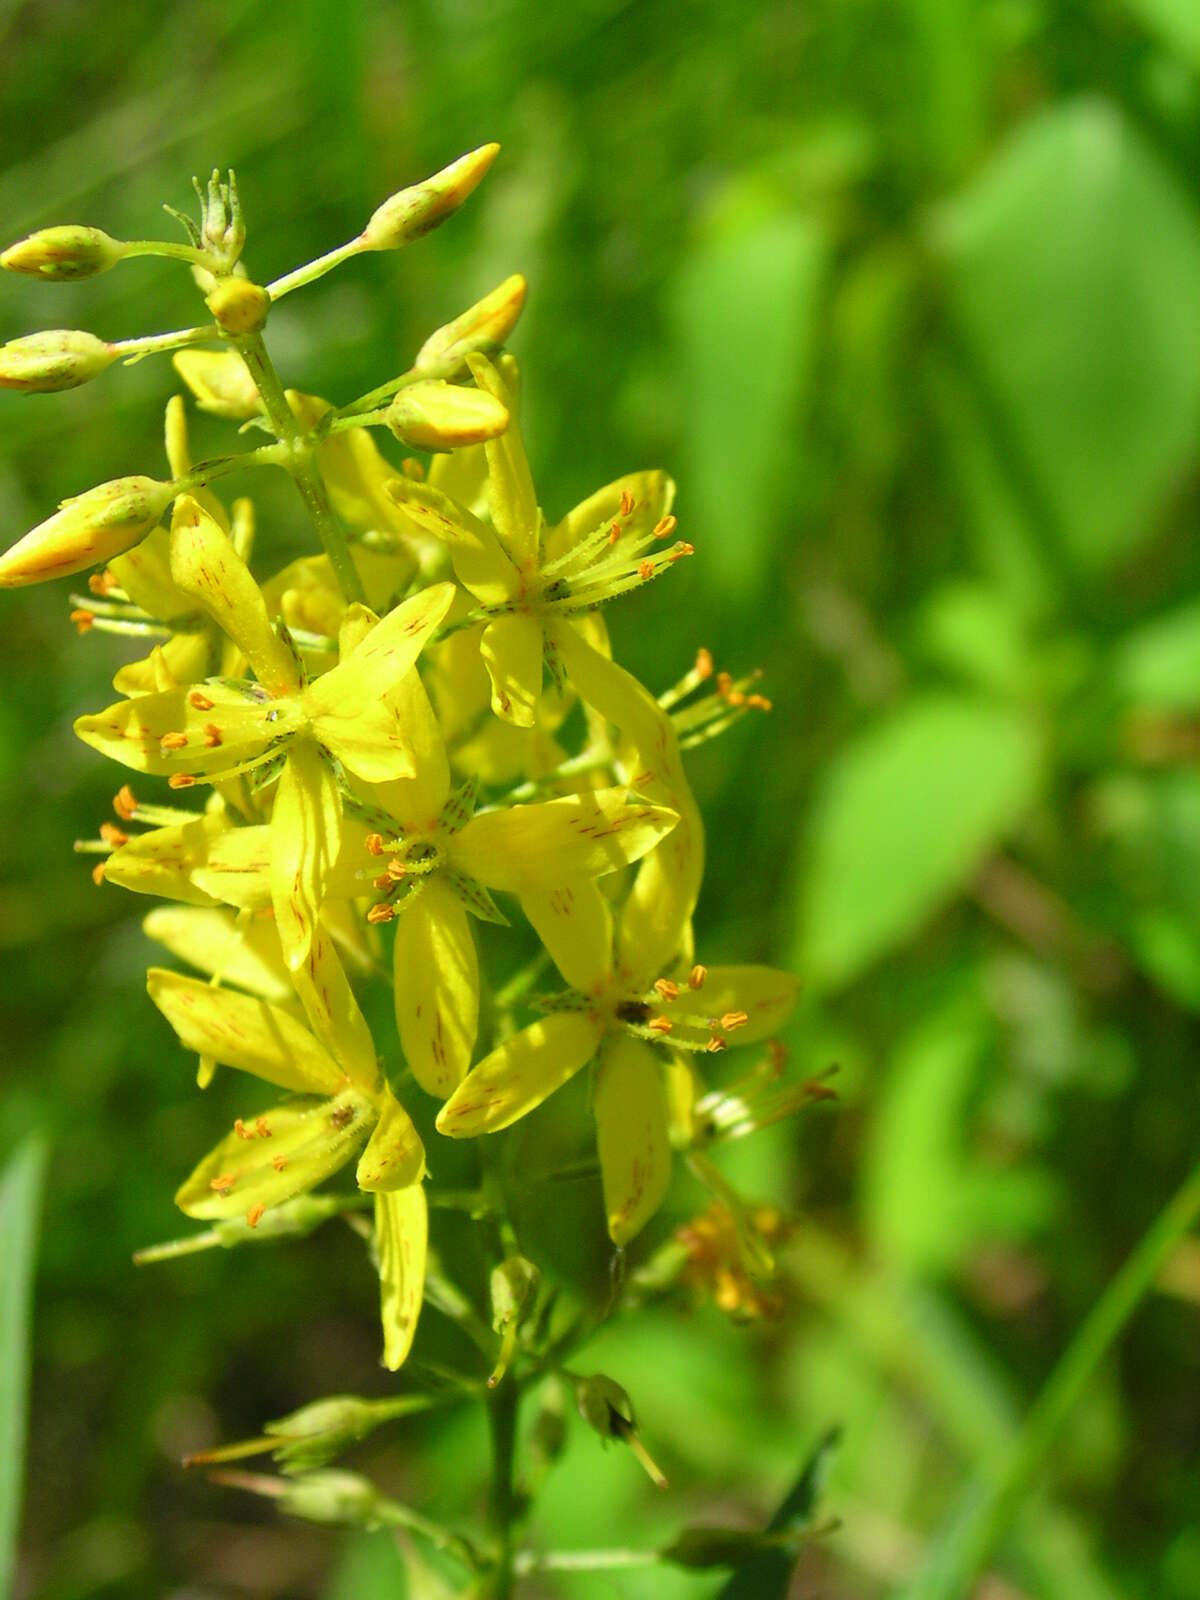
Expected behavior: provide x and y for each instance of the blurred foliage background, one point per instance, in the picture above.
(906, 293)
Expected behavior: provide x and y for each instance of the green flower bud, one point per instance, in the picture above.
(63, 254)
(605, 1406)
(90, 529)
(238, 306)
(512, 1283)
(61, 358)
(345, 1498)
(482, 328)
(316, 1433)
(420, 208)
(433, 415)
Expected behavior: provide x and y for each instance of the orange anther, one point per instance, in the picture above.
(715, 1045)
(734, 1019)
(735, 697)
(665, 527)
(242, 1130)
(697, 976)
(397, 869)
(724, 684)
(181, 780)
(224, 1183)
(212, 735)
(83, 619)
(101, 582)
(382, 881)
(669, 991)
(113, 835)
(173, 741)
(261, 1128)
(614, 532)
(704, 663)
(758, 702)
(254, 1215)
(646, 571)
(374, 843)
(125, 802)
(279, 1162)
(627, 503)
(200, 701)
(98, 873)
(412, 468)
(680, 549)
(381, 912)
(660, 1024)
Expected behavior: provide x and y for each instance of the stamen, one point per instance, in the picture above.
(704, 663)
(242, 1131)
(261, 1128)
(125, 802)
(374, 843)
(667, 990)
(627, 503)
(614, 533)
(200, 701)
(113, 835)
(665, 527)
(646, 571)
(102, 583)
(660, 1024)
(82, 619)
(397, 869)
(254, 1215)
(715, 1045)
(173, 741)
(98, 873)
(412, 468)
(758, 702)
(181, 780)
(224, 1183)
(381, 912)
(279, 1162)
(697, 976)
(212, 735)
(734, 1019)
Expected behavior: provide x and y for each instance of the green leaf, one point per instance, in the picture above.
(1071, 262)
(901, 819)
(766, 1577)
(1176, 22)
(20, 1199)
(746, 311)
(1158, 664)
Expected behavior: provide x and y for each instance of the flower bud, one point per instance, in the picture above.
(63, 254)
(316, 1433)
(61, 358)
(87, 530)
(605, 1406)
(238, 306)
(219, 382)
(433, 415)
(482, 328)
(345, 1498)
(420, 208)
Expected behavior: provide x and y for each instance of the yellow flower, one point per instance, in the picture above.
(223, 727)
(619, 1009)
(526, 576)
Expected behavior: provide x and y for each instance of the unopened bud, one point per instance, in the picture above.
(63, 254)
(421, 207)
(512, 1282)
(483, 328)
(61, 358)
(345, 1498)
(238, 306)
(219, 382)
(605, 1405)
(314, 1435)
(433, 415)
(87, 530)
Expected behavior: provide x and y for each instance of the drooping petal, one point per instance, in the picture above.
(163, 861)
(520, 1074)
(650, 496)
(349, 708)
(401, 1240)
(277, 1156)
(437, 987)
(200, 730)
(462, 474)
(511, 496)
(395, 1156)
(145, 575)
(242, 950)
(205, 564)
(511, 648)
(188, 657)
(417, 802)
(241, 1031)
(574, 922)
(480, 563)
(333, 1012)
(763, 996)
(631, 1134)
(556, 841)
(306, 838)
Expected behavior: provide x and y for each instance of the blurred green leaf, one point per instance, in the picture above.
(901, 818)
(1176, 22)
(1073, 260)
(20, 1200)
(975, 632)
(1158, 664)
(767, 1576)
(746, 310)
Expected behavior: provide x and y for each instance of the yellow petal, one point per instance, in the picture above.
(349, 707)
(401, 1239)
(395, 1157)
(239, 1030)
(306, 838)
(511, 648)
(205, 564)
(333, 1011)
(520, 1074)
(189, 657)
(557, 841)
(631, 1135)
(763, 995)
(145, 575)
(240, 950)
(462, 474)
(437, 987)
(652, 493)
(162, 862)
(219, 382)
(236, 866)
(225, 733)
(417, 802)
(277, 1156)
(511, 498)
(574, 922)
(480, 563)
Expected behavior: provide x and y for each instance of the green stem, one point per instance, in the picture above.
(153, 343)
(586, 1560)
(167, 248)
(502, 1502)
(993, 1502)
(309, 273)
(302, 463)
(374, 398)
